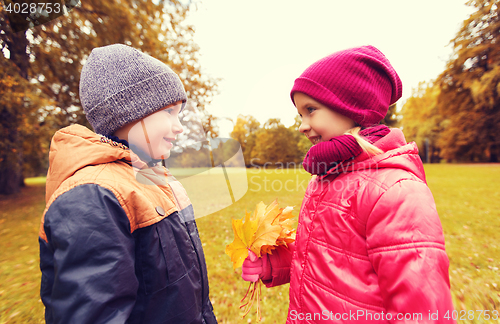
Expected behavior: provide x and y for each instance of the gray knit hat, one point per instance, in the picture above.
(120, 84)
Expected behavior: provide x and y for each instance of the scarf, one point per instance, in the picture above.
(326, 155)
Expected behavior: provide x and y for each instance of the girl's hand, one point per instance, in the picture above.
(255, 268)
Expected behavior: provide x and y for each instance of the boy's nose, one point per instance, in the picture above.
(177, 127)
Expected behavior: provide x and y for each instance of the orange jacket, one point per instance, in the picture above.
(118, 240)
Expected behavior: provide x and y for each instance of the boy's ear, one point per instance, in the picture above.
(122, 132)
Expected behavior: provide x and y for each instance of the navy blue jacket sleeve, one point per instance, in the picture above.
(87, 264)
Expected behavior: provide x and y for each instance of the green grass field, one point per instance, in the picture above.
(467, 197)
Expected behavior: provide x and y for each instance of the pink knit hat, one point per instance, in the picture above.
(359, 83)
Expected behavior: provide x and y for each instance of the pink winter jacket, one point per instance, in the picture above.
(370, 246)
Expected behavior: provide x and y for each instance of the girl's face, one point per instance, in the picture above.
(155, 134)
(319, 123)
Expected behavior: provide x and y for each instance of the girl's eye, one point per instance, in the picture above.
(169, 111)
(310, 109)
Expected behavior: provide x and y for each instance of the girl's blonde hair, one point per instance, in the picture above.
(365, 145)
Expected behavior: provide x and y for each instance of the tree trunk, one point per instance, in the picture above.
(11, 177)
(493, 153)
(10, 162)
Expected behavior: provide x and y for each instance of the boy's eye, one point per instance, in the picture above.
(169, 111)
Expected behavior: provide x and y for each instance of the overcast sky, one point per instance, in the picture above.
(259, 47)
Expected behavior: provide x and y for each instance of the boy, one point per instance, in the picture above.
(118, 244)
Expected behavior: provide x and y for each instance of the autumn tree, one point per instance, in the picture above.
(393, 116)
(244, 131)
(12, 89)
(470, 88)
(275, 144)
(303, 144)
(48, 59)
(422, 122)
(272, 143)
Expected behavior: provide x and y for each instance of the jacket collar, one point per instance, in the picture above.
(75, 147)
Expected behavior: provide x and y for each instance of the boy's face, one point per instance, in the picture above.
(155, 134)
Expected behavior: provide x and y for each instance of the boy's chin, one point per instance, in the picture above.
(163, 156)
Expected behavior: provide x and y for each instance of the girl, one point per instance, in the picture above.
(369, 245)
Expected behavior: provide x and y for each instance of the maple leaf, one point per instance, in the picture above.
(288, 227)
(243, 237)
(268, 230)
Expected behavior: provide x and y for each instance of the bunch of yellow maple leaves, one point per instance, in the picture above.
(260, 232)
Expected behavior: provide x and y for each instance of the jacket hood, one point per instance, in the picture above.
(398, 154)
(75, 147)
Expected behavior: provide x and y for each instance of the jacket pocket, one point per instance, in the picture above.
(160, 257)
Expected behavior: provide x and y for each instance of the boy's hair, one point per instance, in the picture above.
(120, 84)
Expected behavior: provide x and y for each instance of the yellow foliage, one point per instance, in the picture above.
(260, 232)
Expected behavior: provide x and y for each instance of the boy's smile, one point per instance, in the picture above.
(320, 123)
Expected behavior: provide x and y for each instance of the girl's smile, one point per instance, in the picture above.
(320, 123)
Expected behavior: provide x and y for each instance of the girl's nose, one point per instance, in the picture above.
(304, 127)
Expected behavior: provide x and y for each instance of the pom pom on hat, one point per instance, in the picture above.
(359, 83)
(119, 84)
